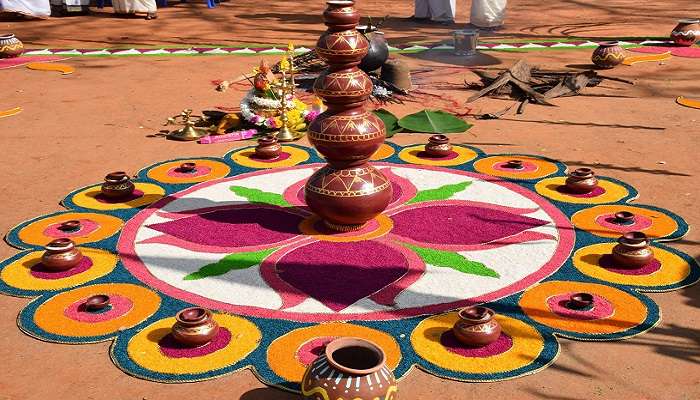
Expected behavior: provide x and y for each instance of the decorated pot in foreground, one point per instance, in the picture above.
(61, 255)
(349, 369)
(476, 327)
(194, 326)
(686, 33)
(117, 185)
(581, 180)
(632, 250)
(10, 46)
(438, 146)
(608, 55)
(347, 198)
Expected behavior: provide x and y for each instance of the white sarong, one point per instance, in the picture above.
(134, 6)
(436, 10)
(32, 8)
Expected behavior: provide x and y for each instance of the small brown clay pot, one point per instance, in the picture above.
(579, 301)
(632, 250)
(438, 146)
(97, 302)
(267, 148)
(350, 368)
(608, 55)
(10, 46)
(623, 218)
(582, 180)
(514, 164)
(61, 255)
(117, 185)
(341, 15)
(187, 167)
(476, 326)
(194, 326)
(686, 33)
(69, 226)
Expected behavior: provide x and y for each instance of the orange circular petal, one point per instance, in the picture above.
(629, 311)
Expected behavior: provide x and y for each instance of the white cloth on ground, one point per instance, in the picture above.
(32, 8)
(134, 6)
(436, 10)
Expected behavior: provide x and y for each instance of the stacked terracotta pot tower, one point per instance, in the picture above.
(348, 191)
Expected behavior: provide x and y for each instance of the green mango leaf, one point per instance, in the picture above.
(229, 263)
(259, 196)
(390, 122)
(456, 261)
(442, 193)
(434, 121)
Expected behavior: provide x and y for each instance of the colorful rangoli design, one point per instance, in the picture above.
(235, 236)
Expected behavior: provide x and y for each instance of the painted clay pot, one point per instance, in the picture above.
(623, 218)
(267, 148)
(342, 49)
(347, 198)
(350, 368)
(97, 302)
(608, 55)
(194, 326)
(117, 185)
(476, 326)
(187, 167)
(347, 88)
(438, 146)
(580, 301)
(514, 164)
(341, 15)
(69, 226)
(377, 52)
(10, 46)
(686, 33)
(581, 180)
(632, 250)
(61, 255)
(348, 192)
(348, 138)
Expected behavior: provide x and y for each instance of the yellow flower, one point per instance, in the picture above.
(284, 64)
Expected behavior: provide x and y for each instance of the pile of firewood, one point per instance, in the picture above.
(528, 84)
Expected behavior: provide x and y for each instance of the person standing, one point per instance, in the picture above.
(147, 7)
(30, 8)
(440, 11)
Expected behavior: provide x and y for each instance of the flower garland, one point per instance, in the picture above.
(297, 115)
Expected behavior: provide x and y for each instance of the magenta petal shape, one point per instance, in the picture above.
(231, 228)
(340, 274)
(460, 224)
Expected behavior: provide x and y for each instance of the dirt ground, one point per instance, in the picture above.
(75, 128)
(273, 22)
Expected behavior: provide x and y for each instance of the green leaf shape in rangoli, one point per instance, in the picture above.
(259, 196)
(450, 259)
(442, 193)
(434, 121)
(230, 262)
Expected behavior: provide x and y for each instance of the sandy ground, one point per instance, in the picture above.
(76, 128)
(273, 22)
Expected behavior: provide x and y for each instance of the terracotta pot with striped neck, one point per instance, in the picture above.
(686, 33)
(10, 46)
(349, 369)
